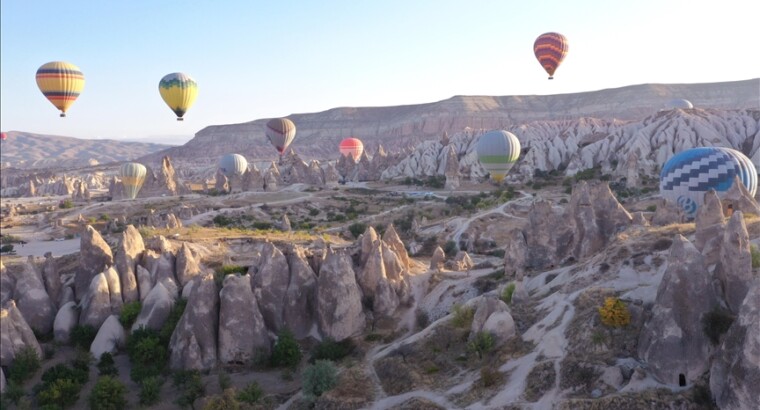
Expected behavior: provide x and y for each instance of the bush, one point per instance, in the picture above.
(13, 392)
(193, 389)
(59, 394)
(614, 313)
(483, 343)
(250, 394)
(6, 248)
(357, 229)
(313, 212)
(129, 313)
(423, 319)
(66, 204)
(224, 401)
(286, 351)
(651, 208)
(171, 322)
(506, 294)
(108, 393)
(755, 256)
(150, 390)
(225, 382)
(715, 323)
(450, 248)
(329, 349)
(147, 353)
(463, 316)
(489, 376)
(106, 365)
(62, 371)
(24, 365)
(82, 336)
(225, 270)
(319, 378)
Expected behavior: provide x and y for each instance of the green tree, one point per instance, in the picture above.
(108, 394)
(286, 351)
(319, 378)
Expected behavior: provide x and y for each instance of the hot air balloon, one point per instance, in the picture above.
(281, 132)
(179, 91)
(689, 174)
(61, 83)
(679, 103)
(3, 136)
(233, 164)
(132, 177)
(497, 152)
(351, 146)
(550, 49)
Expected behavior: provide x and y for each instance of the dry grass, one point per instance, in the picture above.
(197, 233)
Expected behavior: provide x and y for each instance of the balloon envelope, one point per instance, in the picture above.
(61, 83)
(687, 176)
(179, 92)
(3, 136)
(233, 164)
(679, 103)
(497, 152)
(281, 132)
(550, 49)
(132, 177)
(351, 146)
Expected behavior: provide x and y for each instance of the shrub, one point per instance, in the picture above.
(147, 353)
(423, 319)
(192, 390)
(313, 212)
(506, 294)
(373, 337)
(62, 371)
(224, 401)
(482, 343)
(357, 229)
(82, 336)
(250, 394)
(755, 256)
(104, 217)
(651, 208)
(225, 270)
(614, 313)
(59, 394)
(81, 362)
(286, 351)
(598, 338)
(25, 364)
(66, 204)
(463, 316)
(6, 248)
(129, 313)
(171, 322)
(13, 392)
(108, 393)
(329, 349)
(715, 323)
(150, 390)
(225, 382)
(489, 376)
(450, 248)
(106, 365)
(319, 378)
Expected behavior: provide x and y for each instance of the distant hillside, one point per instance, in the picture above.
(399, 126)
(27, 150)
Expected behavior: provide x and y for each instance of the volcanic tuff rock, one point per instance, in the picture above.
(241, 327)
(155, 308)
(739, 198)
(128, 252)
(300, 296)
(710, 224)
(52, 279)
(96, 304)
(436, 261)
(252, 179)
(597, 215)
(65, 321)
(7, 284)
(667, 213)
(144, 282)
(109, 338)
(186, 264)
(672, 341)
(33, 301)
(735, 371)
(735, 270)
(339, 304)
(15, 334)
(270, 285)
(194, 341)
(221, 183)
(94, 256)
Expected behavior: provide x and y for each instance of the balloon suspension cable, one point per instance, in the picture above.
(180, 119)
(63, 114)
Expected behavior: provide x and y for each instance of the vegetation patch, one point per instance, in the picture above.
(715, 323)
(540, 380)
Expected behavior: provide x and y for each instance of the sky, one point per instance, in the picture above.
(257, 59)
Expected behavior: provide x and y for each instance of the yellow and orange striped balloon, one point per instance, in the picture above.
(61, 83)
(550, 49)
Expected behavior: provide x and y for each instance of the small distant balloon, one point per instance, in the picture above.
(280, 132)
(353, 147)
(179, 92)
(497, 153)
(233, 164)
(688, 175)
(3, 136)
(132, 178)
(550, 49)
(679, 103)
(61, 83)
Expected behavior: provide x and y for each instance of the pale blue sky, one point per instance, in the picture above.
(261, 59)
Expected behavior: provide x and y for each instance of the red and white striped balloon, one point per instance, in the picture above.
(353, 147)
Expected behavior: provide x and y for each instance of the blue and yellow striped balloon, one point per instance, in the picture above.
(497, 152)
(61, 83)
(179, 92)
(687, 176)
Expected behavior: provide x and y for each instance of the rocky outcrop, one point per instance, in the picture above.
(52, 279)
(667, 214)
(94, 257)
(33, 301)
(162, 181)
(186, 264)
(65, 321)
(270, 285)
(710, 225)
(492, 316)
(367, 242)
(461, 262)
(515, 254)
(221, 184)
(144, 282)
(437, 260)
(109, 338)
(391, 238)
(285, 223)
(332, 177)
(7, 284)
(242, 333)
(597, 215)
(252, 179)
(639, 219)
(672, 341)
(345, 166)
(339, 305)
(193, 343)
(451, 168)
(114, 289)
(740, 199)
(15, 334)
(155, 309)
(735, 370)
(735, 270)
(300, 295)
(96, 304)
(128, 252)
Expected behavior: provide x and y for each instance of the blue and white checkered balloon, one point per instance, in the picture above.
(689, 174)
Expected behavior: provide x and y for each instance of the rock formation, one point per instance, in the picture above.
(128, 252)
(339, 304)
(96, 304)
(492, 315)
(221, 184)
(710, 224)
(33, 301)
(109, 338)
(15, 334)
(300, 295)
(242, 333)
(65, 321)
(186, 265)
(735, 270)
(155, 308)
(436, 261)
(270, 285)
(94, 256)
(194, 341)
(740, 199)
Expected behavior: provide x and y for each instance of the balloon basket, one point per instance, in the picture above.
(180, 119)
(551, 78)
(63, 114)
